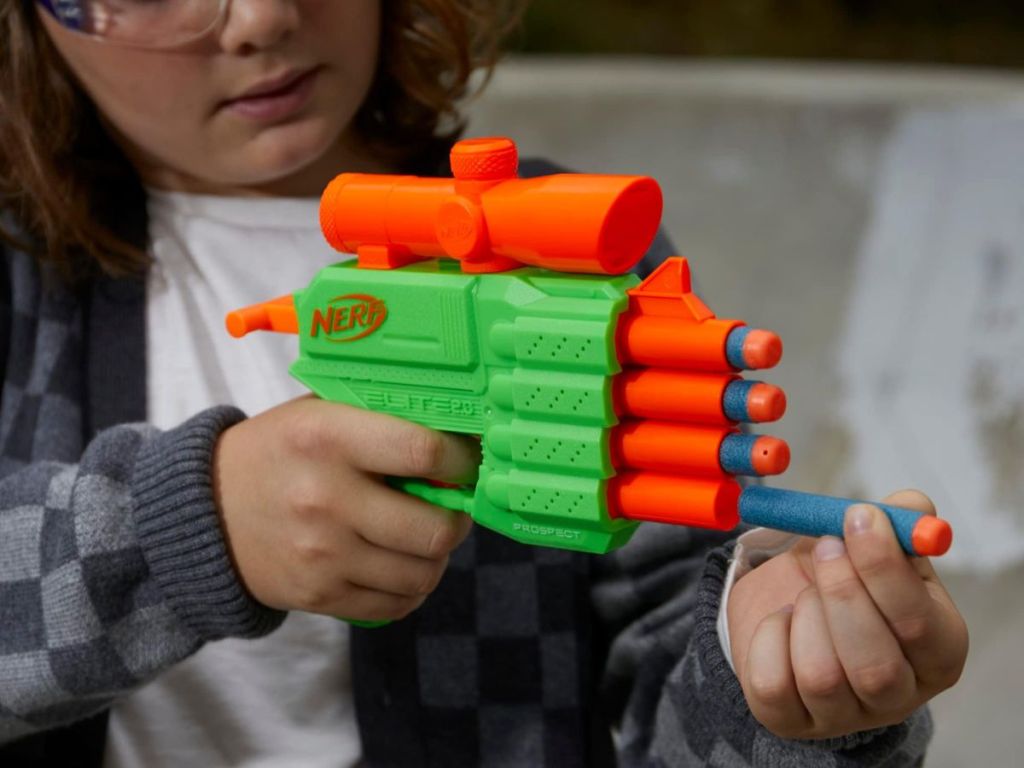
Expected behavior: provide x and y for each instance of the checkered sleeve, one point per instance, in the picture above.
(667, 686)
(112, 570)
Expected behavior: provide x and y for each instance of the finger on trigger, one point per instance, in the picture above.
(387, 445)
(440, 456)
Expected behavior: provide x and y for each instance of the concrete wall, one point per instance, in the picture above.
(875, 218)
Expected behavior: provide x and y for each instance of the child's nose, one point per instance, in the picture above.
(258, 24)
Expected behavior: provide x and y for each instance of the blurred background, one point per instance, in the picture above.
(849, 173)
(979, 32)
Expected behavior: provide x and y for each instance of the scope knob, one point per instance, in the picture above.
(485, 159)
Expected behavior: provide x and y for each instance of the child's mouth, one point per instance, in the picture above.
(278, 103)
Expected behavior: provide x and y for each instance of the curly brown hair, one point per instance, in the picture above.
(69, 194)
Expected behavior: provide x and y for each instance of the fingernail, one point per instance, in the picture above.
(860, 518)
(829, 548)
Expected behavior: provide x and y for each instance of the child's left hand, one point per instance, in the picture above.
(828, 639)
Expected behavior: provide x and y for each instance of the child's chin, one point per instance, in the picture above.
(279, 161)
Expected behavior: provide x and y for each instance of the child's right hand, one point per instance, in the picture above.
(311, 524)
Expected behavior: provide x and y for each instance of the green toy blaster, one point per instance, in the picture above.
(502, 307)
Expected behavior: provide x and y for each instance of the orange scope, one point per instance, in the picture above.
(567, 222)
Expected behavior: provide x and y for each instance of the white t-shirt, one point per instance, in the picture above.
(286, 699)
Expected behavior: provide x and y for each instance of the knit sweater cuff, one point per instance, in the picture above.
(180, 532)
(723, 692)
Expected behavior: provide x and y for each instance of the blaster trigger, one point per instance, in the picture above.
(453, 497)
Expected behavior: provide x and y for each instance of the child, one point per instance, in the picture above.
(161, 161)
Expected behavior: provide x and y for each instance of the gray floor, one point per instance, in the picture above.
(802, 195)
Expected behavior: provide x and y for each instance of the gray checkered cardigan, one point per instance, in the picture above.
(113, 569)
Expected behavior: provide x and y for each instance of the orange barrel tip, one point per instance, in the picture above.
(242, 321)
(275, 315)
(931, 537)
(751, 349)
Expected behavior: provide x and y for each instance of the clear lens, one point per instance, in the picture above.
(147, 23)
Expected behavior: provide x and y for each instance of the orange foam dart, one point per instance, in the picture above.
(491, 220)
(661, 498)
(275, 315)
(700, 398)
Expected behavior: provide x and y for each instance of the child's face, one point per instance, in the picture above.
(179, 117)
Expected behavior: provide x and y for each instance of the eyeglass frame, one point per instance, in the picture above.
(67, 14)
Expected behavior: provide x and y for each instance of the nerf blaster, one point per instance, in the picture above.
(497, 306)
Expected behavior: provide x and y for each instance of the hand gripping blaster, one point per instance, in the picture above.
(497, 306)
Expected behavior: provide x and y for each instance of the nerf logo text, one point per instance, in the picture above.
(349, 317)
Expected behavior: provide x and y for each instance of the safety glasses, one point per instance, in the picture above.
(139, 23)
